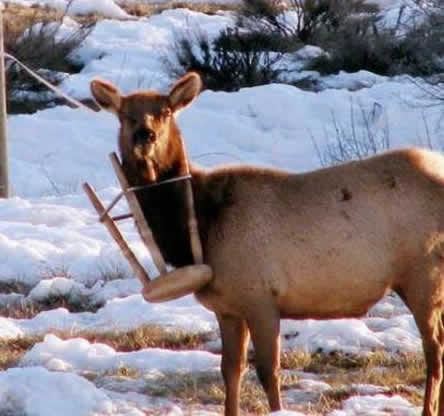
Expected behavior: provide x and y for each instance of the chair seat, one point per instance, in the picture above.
(177, 283)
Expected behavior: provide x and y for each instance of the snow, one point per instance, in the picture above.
(378, 405)
(51, 241)
(23, 389)
(38, 392)
(118, 314)
(78, 355)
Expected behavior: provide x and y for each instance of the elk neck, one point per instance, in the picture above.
(166, 211)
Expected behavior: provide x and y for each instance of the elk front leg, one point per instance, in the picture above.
(235, 337)
(264, 329)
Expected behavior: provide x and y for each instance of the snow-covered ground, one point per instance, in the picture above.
(51, 242)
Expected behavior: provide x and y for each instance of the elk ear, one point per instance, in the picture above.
(184, 91)
(107, 95)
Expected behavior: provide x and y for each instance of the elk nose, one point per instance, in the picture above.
(143, 136)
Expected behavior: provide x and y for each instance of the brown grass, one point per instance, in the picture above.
(28, 309)
(207, 388)
(396, 372)
(18, 17)
(149, 9)
(149, 336)
(195, 390)
(326, 363)
(24, 310)
(122, 371)
(11, 351)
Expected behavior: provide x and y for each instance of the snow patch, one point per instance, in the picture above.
(377, 405)
(79, 355)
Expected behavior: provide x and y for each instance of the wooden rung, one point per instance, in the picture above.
(144, 229)
(122, 217)
(117, 236)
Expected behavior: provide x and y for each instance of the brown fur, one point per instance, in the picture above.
(325, 244)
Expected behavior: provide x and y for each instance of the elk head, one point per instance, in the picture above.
(150, 144)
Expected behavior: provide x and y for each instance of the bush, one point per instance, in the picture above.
(314, 18)
(383, 52)
(250, 53)
(33, 35)
(232, 61)
(348, 31)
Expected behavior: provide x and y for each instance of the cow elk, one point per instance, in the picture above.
(323, 244)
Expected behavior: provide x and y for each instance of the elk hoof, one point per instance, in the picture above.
(180, 282)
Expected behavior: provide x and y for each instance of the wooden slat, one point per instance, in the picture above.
(144, 229)
(193, 226)
(117, 236)
(122, 217)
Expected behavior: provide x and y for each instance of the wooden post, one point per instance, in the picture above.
(4, 176)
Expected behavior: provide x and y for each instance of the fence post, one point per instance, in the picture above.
(4, 173)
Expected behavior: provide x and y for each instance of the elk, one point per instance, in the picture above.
(323, 244)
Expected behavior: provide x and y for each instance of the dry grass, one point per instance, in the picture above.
(28, 309)
(326, 363)
(207, 388)
(12, 350)
(122, 371)
(397, 374)
(149, 336)
(18, 16)
(196, 390)
(343, 372)
(24, 310)
(149, 9)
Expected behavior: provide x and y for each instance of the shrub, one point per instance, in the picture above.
(250, 53)
(349, 32)
(417, 52)
(313, 17)
(232, 61)
(34, 36)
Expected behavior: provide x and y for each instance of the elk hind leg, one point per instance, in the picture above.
(441, 393)
(235, 337)
(264, 330)
(425, 298)
(433, 343)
